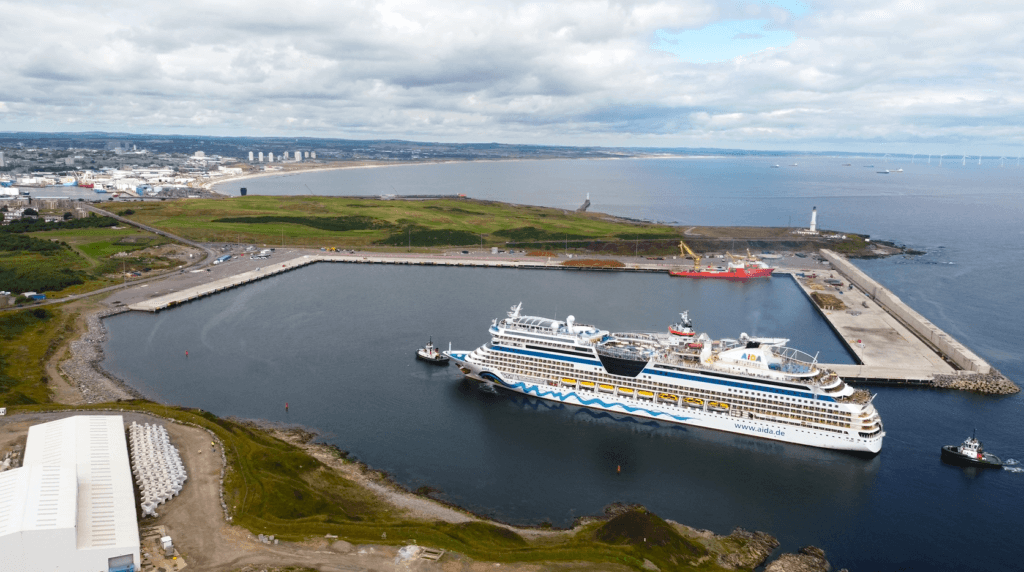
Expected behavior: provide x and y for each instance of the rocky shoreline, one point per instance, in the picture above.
(994, 382)
(83, 369)
(808, 559)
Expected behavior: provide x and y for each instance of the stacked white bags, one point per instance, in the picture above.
(156, 465)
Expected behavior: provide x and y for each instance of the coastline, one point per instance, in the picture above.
(211, 186)
(95, 384)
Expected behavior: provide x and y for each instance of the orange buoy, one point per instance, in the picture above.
(618, 468)
(186, 353)
(286, 406)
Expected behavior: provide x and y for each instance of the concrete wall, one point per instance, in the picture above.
(951, 348)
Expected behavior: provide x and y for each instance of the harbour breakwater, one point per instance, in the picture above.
(970, 371)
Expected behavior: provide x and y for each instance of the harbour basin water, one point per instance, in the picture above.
(336, 342)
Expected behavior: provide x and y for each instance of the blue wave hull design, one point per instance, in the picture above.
(595, 402)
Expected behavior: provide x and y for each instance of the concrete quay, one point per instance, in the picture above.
(272, 267)
(172, 299)
(884, 348)
(953, 350)
(893, 343)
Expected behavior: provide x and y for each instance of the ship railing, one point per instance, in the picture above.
(525, 378)
(635, 336)
(623, 353)
(793, 355)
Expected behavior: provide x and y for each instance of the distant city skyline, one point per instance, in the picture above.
(872, 77)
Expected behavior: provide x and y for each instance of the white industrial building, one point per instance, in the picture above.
(70, 506)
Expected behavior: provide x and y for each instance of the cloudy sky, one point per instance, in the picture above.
(878, 76)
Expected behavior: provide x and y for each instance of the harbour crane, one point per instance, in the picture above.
(684, 250)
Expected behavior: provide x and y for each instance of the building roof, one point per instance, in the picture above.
(76, 474)
(37, 498)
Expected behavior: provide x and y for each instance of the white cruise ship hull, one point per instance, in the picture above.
(653, 408)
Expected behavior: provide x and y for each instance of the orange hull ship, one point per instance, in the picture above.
(740, 268)
(728, 274)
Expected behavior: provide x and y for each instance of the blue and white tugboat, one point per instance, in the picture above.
(431, 354)
(970, 453)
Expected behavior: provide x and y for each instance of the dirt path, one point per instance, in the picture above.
(61, 388)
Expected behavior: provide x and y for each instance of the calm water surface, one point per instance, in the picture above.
(336, 342)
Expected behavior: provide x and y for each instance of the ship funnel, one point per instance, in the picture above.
(569, 321)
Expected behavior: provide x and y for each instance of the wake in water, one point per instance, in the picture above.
(1012, 465)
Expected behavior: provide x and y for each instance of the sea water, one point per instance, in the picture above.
(337, 343)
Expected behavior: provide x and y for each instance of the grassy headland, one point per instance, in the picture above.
(372, 223)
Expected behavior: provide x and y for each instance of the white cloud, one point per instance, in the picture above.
(929, 77)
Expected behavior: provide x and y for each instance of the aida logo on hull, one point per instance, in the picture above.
(751, 357)
(767, 430)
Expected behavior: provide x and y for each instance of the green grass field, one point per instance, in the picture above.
(88, 258)
(27, 339)
(431, 225)
(336, 221)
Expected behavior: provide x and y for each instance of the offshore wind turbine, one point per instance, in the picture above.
(965, 160)
(1002, 160)
(979, 159)
(940, 159)
(929, 158)
(912, 158)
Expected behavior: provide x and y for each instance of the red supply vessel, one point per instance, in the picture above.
(740, 268)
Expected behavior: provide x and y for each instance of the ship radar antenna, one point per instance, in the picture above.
(515, 311)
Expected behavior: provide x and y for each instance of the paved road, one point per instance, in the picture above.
(210, 255)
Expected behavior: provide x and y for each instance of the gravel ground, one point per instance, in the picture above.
(83, 368)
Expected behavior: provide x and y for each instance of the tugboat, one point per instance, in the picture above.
(683, 328)
(431, 354)
(970, 454)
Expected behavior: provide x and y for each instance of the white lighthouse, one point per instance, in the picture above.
(814, 220)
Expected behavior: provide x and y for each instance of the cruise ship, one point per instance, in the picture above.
(750, 386)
